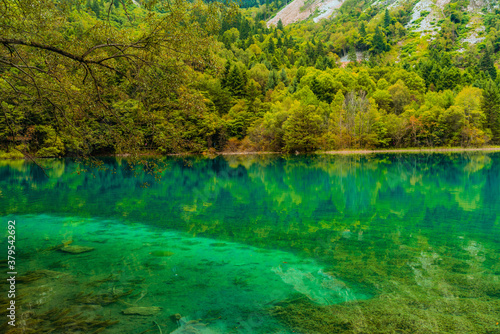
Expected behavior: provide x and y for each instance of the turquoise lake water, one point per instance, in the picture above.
(385, 243)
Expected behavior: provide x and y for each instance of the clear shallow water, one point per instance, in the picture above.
(383, 243)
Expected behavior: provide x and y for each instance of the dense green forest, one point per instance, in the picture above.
(104, 77)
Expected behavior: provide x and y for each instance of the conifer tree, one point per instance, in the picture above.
(387, 19)
(293, 87)
(275, 62)
(378, 43)
(270, 46)
(250, 40)
(272, 80)
(316, 88)
(279, 43)
(319, 49)
(445, 60)
(448, 78)
(236, 82)
(225, 75)
(487, 65)
(280, 25)
(362, 29)
(490, 105)
(244, 29)
(96, 8)
(320, 63)
(284, 77)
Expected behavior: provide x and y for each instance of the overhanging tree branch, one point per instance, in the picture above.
(9, 42)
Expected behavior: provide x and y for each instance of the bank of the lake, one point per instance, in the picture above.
(418, 150)
(154, 154)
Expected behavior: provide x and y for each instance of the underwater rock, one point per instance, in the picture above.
(146, 310)
(39, 274)
(321, 287)
(187, 326)
(218, 244)
(161, 253)
(86, 308)
(76, 249)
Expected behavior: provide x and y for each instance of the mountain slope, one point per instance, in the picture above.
(295, 11)
(426, 16)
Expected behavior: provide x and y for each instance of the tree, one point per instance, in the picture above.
(362, 29)
(302, 130)
(219, 96)
(449, 78)
(378, 44)
(355, 104)
(236, 81)
(387, 19)
(400, 96)
(452, 121)
(351, 56)
(323, 85)
(253, 90)
(469, 100)
(284, 77)
(270, 46)
(69, 77)
(225, 74)
(396, 129)
(272, 80)
(383, 99)
(365, 82)
(382, 84)
(487, 65)
(260, 74)
(490, 105)
(96, 8)
(280, 25)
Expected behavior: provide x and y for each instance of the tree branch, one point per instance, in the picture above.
(10, 41)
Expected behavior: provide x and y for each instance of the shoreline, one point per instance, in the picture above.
(376, 151)
(417, 150)
(491, 149)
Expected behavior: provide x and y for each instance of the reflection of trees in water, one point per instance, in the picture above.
(293, 199)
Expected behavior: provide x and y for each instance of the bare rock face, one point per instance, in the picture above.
(295, 11)
(475, 5)
(145, 310)
(300, 10)
(76, 249)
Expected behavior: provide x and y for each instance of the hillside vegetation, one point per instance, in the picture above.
(105, 77)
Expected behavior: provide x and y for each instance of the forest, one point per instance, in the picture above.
(98, 77)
